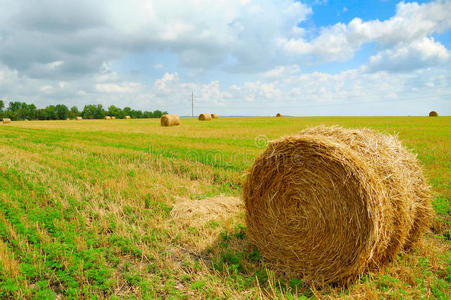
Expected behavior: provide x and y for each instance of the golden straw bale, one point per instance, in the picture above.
(433, 114)
(170, 120)
(107, 118)
(279, 115)
(78, 118)
(205, 117)
(127, 117)
(331, 203)
(214, 116)
(6, 120)
(113, 118)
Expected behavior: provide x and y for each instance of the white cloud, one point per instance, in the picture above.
(412, 22)
(46, 88)
(166, 83)
(420, 53)
(86, 34)
(127, 87)
(281, 71)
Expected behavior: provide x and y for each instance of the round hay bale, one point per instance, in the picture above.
(113, 118)
(127, 117)
(331, 203)
(107, 118)
(67, 119)
(214, 116)
(170, 120)
(279, 115)
(205, 117)
(78, 118)
(433, 114)
(6, 120)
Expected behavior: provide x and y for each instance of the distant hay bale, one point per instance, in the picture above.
(205, 117)
(107, 118)
(113, 118)
(127, 117)
(170, 120)
(433, 114)
(279, 115)
(6, 120)
(78, 118)
(331, 203)
(67, 119)
(198, 212)
(214, 116)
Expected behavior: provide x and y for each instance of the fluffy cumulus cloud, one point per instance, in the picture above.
(411, 24)
(81, 35)
(238, 55)
(420, 53)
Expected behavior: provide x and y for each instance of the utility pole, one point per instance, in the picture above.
(192, 103)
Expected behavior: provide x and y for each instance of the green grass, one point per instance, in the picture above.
(85, 210)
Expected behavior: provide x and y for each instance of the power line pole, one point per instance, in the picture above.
(192, 103)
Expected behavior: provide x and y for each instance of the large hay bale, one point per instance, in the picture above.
(433, 114)
(78, 118)
(113, 118)
(279, 115)
(170, 120)
(205, 117)
(331, 203)
(6, 120)
(127, 117)
(107, 118)
(214, 116)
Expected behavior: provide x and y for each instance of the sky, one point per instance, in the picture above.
(239, 57)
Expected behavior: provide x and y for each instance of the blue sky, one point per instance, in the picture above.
(241, 57)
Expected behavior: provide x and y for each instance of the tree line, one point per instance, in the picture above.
(21, 111)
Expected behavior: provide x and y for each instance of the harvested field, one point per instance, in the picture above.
(137, 210)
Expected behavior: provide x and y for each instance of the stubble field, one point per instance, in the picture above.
(86, 210)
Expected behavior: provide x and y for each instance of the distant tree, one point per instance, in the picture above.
(62, 111)
(31, 112)
(93, 111)
(115, 111)
(15, 110)
(136, 114)
(157, 114)
(127, 111)
(14, 106)
(51, 112)
(41, 114)
(88, 111)
(21, 110)
(74, 112)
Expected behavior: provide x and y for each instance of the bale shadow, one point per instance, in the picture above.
(234, 258)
